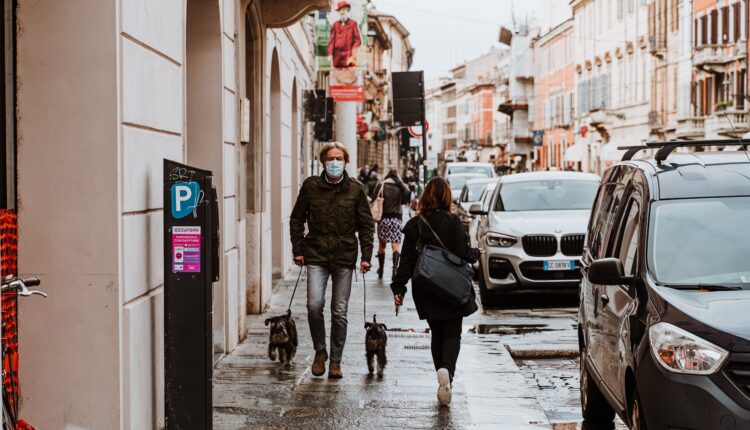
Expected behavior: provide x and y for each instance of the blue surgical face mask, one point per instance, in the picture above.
(334, 168)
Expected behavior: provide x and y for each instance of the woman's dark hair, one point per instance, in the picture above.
(436, 196)
(393, 174)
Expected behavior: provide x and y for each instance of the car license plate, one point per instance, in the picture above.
(559, 265)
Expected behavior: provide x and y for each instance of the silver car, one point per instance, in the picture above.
(484, 200)
(533, 232)
(473, 191)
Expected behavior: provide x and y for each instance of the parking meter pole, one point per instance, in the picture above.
(190, 254)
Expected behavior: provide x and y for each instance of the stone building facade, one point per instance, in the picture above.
(105, 90)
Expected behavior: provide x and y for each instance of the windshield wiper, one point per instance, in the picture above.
(704, 287)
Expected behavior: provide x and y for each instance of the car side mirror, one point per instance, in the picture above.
(608, 271)
(476, 209)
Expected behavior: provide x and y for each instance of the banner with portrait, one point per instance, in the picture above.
(341, 48)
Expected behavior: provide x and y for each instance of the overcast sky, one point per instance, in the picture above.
(445, 33)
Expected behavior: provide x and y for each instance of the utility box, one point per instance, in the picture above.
(191, 265)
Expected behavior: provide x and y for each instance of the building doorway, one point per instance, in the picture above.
(203, 134)
(277, 233)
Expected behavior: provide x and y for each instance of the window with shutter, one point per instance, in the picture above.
(714, 27)
(737, 21)
(724, 24)
(696, 27)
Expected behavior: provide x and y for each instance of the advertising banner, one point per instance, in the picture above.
(341, 48)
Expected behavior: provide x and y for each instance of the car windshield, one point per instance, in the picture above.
(682, 232)
(469, 168)
(457, 182)
(473, 192)
(547, 195)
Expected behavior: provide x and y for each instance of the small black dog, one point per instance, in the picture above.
(283, 338)
(375, 341)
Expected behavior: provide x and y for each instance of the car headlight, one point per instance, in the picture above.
(680, 351)
(500, 240)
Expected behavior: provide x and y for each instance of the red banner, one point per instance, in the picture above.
(9, 268)
(346, 93)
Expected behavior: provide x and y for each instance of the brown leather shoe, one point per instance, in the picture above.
(319, 363)
(334, 371)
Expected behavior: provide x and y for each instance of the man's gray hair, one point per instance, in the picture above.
(333, 145)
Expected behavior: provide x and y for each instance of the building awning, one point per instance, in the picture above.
(609, 152)
(574, 153)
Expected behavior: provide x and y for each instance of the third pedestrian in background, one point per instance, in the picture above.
(372, 178)
(395, 195)
(445, 321)
(364, 174)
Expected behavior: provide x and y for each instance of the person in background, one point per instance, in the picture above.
(372, 178)
(445, 321)
(363, 174)
(395, 195)
(336, 211)
(410, 181)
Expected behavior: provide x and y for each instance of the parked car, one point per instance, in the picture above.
(664, 327)
(485, 169)
(533, 233)
(458, 180)
(472, 193)
(484, 200)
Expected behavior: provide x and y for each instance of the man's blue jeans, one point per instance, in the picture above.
(317, 280)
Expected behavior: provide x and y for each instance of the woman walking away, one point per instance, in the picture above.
(444, 320)
(389, 228)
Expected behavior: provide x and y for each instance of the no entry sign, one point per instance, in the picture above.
(416, 131)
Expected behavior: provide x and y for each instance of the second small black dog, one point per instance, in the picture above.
(283, 338)
(375, 341)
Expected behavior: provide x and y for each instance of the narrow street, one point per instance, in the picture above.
(518, 369)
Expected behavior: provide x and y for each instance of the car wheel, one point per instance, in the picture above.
(594, 407)
(637, 421)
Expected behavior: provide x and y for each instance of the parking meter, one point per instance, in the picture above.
(191, 265)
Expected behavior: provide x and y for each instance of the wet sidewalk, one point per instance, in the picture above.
(489, 390)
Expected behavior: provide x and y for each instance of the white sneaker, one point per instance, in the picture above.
(444, 390)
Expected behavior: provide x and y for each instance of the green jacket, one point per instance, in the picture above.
(334, 214)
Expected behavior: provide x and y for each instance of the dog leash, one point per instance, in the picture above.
(289, 308)
(364, 294)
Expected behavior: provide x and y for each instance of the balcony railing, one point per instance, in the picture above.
(715, 55)
(691, 127)
(728, 123)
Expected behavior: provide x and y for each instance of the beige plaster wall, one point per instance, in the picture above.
(68, 213)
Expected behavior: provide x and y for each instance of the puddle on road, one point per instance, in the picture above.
(508, 329)
(582, 426)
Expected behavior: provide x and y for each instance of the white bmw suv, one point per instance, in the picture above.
(533, 233)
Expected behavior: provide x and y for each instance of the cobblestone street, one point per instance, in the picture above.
(536, 390)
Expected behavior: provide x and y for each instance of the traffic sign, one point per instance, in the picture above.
(416, 131)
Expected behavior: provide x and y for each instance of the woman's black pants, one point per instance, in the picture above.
(446, 342)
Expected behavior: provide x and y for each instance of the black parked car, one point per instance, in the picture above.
(664, 319)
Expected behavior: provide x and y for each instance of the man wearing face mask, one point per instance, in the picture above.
(344, 39)
(336, 210)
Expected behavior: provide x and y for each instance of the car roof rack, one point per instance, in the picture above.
(630, 151)
(666, 148)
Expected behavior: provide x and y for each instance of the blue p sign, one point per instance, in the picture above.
(184, 198)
